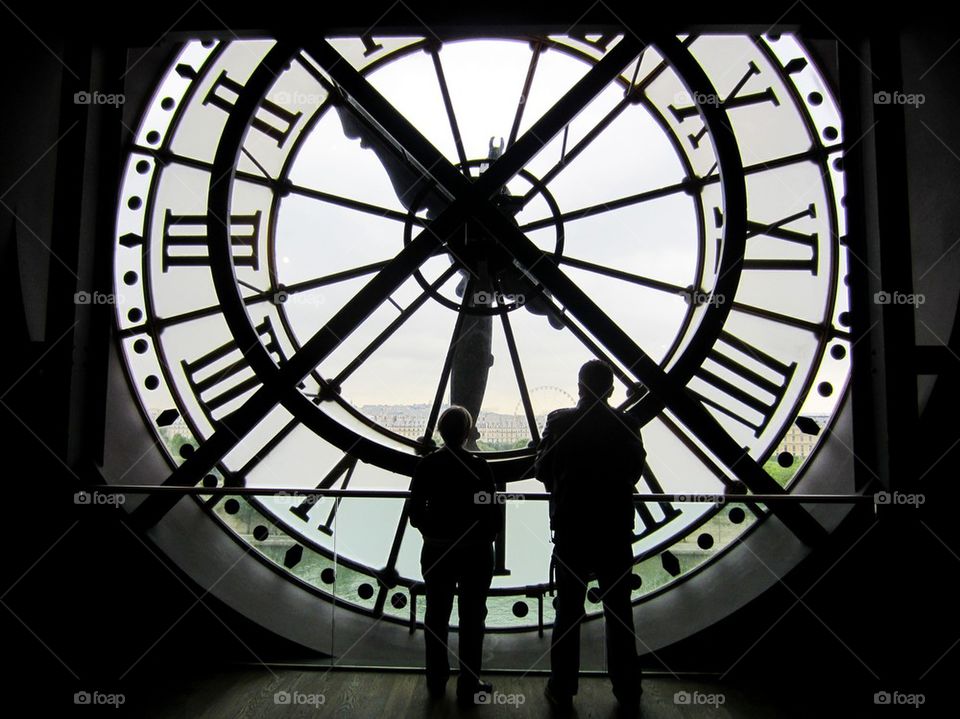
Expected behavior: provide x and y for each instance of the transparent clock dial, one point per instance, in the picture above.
(628, 202)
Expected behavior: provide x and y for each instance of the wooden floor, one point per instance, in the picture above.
(261, 692)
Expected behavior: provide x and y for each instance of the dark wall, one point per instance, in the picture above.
(88, 602)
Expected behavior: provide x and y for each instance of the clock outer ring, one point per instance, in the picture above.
(169, 535)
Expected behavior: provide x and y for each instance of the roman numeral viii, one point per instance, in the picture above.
(223, 374)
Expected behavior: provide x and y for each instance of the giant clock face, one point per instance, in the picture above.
(319, 247)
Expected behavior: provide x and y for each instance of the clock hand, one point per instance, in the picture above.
(407, 183)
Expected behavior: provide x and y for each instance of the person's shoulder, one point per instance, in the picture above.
(431, 455)
(481, 466)
(458, 457)
(561, 415)
(431, 459)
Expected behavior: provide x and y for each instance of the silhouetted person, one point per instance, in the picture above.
(452, 504)
(590, 459)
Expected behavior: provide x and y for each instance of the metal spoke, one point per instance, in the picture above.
(633, 90)
(653, 284)
(561, 114)
(390, 329)
(567, 156)
(684, 186)
(286, 186)
(448, 106)
(621, 202)
(161, 323)
(587, 342)
(521, 381)
(335, 277)
(705, 459)
(258, 456)
(816, 328)
(458, 334)
(525, 92)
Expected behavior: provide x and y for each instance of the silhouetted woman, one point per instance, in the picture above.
(452, 504)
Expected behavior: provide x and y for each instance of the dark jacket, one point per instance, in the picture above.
(590, 459)
(452, 498)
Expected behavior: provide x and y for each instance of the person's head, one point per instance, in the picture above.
(596, 380)
(454, 426)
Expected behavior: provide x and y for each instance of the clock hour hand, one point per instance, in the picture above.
(409, 184)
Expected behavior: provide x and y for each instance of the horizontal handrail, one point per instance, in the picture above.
(499, 497)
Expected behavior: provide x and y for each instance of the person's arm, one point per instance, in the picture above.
(544, 465)
(492, 517)
(418, 497)
(638, 454)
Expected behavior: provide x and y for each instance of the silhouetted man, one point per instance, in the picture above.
(590, 459)
(452, 504)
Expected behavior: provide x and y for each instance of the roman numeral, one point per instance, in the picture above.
(281, 122)
(342, 472)
(370, 46)
(734, 99)
(184, 241)
(668, 509)
(779, 231)
(211, 377)
(757, 385)
(601, 43)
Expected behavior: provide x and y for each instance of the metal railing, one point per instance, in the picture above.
(694, 497)
(537, 592)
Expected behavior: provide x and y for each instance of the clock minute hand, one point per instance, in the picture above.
(408, 183)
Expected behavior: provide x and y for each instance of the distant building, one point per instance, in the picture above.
(411, 420)
(799, 443)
